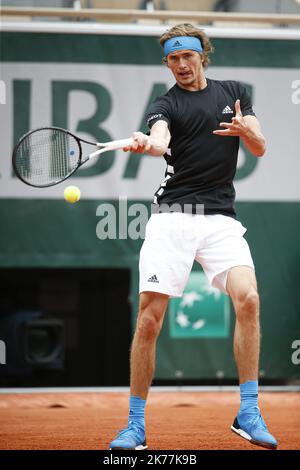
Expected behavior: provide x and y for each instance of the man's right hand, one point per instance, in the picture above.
(141, 143)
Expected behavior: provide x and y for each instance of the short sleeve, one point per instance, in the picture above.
(159, 110)
(246, 104)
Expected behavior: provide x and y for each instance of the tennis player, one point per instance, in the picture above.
(197, 126)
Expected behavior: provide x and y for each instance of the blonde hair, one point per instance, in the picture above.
(187, 29)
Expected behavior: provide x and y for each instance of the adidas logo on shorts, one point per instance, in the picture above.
(153, 279)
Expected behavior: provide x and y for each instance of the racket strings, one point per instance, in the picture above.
(47, 156)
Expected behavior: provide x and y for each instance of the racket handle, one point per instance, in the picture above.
(113, 145)
(119, 144)
(116, 144)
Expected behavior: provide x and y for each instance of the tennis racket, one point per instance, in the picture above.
(49, 155)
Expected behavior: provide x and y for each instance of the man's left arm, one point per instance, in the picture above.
(247, 128)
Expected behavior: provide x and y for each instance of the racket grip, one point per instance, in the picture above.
(119, 144)
(113, 145)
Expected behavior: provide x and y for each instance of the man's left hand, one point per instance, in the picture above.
(237, 127)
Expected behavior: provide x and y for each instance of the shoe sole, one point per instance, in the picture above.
(140, 447)
(246, 436)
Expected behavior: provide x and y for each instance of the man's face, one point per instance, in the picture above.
(186, 67)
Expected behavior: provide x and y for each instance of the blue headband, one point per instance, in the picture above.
(181, 43)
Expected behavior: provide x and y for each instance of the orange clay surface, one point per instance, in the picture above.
(175, 420)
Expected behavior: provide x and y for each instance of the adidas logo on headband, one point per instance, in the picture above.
(182, 43)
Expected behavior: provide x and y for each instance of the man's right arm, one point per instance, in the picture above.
(155, 144)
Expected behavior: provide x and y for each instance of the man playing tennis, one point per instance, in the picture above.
(201, 163)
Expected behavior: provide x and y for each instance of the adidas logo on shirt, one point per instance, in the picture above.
(153, 279)
(177, 44)
(227, 110)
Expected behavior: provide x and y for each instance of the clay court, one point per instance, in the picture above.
(175, 420)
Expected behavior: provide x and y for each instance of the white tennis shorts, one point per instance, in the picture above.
(174, 240)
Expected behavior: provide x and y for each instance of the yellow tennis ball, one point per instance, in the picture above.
(72, 194)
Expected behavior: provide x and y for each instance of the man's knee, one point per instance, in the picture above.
(148, 327)
(246, 303)
(151, 313)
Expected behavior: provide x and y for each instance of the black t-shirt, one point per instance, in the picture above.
(200, 165)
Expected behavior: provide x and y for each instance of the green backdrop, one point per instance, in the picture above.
(39, 229)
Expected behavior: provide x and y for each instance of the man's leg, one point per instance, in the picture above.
(150, 318)
(242, 288)
(149, 322)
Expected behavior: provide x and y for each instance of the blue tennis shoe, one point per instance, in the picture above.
(131, 438)
(252, 427)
